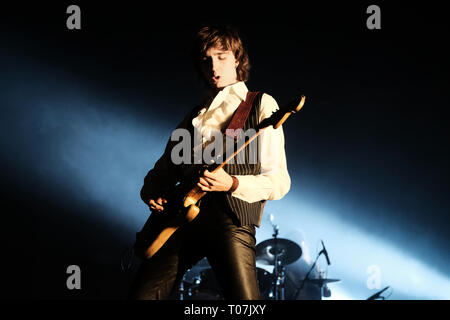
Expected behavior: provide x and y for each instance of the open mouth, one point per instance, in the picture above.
(216, 78)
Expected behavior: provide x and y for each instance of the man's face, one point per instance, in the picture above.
(219, 67)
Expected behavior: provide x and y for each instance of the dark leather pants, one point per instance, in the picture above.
(230, 250)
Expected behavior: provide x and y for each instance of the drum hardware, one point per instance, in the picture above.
(280, 279)
(284, 250)
(279, 253)
(204, 286)
(325, 291)
(199, 282)
(191, 280)
(192, 274)
(320, 282)
(181, 289)
(278, 270)
(186, 289)
(378, 295)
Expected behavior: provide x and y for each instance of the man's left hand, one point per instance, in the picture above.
(219, 181)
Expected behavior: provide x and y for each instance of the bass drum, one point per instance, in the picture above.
(209, 289)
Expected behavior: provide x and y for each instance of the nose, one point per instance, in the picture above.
(214, 65)
(210, 66)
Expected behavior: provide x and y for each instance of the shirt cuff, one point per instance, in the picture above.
(252, 188)
(234, 185)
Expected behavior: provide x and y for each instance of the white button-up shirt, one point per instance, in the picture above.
(273, 182)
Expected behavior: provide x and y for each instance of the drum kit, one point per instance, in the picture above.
(285, 282)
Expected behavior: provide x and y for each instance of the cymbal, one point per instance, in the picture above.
(286, 250)
(192, 273)
(320, 282)
(203, 264)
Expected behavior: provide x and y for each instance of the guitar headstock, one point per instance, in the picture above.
(278, 117)
(295, 105)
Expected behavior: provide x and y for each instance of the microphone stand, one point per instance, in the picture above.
(297, 292)
(378, 295)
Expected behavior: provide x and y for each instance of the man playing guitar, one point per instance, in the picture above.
(224, 230)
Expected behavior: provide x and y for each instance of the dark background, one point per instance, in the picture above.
(374, 128)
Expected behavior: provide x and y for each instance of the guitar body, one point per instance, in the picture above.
(160, 226)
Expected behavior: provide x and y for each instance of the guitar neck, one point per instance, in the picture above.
(233, 151)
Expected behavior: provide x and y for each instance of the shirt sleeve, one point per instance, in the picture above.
(274, 182)
(160, 179)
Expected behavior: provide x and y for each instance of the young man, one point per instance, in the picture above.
(224, 230)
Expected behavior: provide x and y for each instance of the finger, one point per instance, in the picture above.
(203, 187)
(154, 205)
(210, 181)
(209, 174)
(204, 182)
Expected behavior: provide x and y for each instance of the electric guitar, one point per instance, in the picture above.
(181, 205)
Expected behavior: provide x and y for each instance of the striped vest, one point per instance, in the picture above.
(245, 212)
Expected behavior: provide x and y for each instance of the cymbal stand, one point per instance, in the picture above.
(278, 271)
(181, 288)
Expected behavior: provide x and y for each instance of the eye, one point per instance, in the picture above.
(222, 57)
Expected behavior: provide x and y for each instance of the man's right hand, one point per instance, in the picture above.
(157, 205)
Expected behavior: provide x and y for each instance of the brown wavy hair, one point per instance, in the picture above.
(226, 38)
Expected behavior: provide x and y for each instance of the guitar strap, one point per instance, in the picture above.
(241, 114)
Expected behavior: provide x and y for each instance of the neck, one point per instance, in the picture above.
(215, 90)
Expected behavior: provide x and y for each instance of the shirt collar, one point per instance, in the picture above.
(240, 89)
